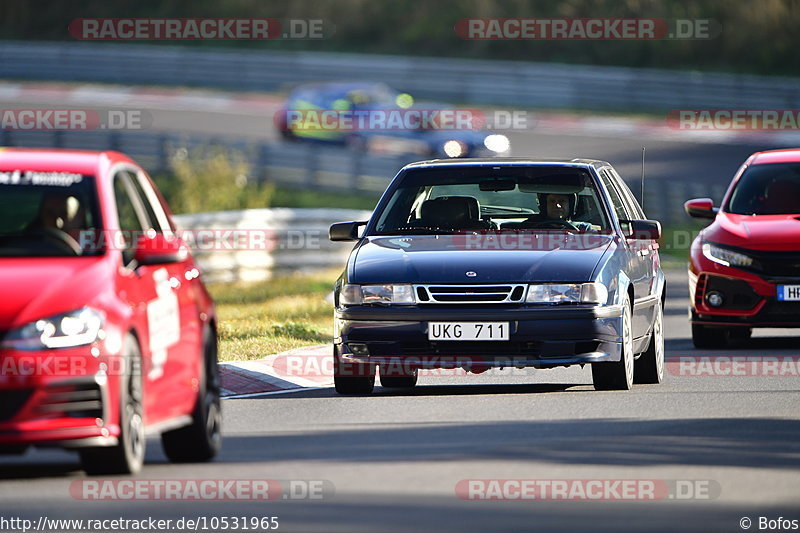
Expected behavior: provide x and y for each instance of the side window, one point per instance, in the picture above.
(630, 199)
(132, 221)
(151, 203)
(617, 202)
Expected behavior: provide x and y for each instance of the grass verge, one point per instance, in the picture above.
(262, 318)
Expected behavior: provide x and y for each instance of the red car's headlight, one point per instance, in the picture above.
(67, 330)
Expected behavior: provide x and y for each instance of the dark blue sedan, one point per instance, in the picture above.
(488, 263)
(376, 118)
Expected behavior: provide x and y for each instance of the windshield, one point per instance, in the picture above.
(45, 213)
(772, 189)
(535, 198)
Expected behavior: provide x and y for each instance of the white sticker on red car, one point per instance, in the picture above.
(163, 322)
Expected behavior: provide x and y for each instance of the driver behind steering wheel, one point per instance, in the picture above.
(556, 211)
(60, 214)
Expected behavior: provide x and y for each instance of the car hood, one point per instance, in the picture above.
(35, 288)
(506, 258)
(756, 232)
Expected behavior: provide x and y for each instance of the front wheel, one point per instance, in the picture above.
(619, 374)
(649, 368)
(127, 456)
(352, 378)
(202, 439)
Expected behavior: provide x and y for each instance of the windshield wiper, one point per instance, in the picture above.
(420, 230)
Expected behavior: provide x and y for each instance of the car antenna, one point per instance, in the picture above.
(642, 203)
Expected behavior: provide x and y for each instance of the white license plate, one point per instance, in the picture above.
(789, 293)
(468, 331)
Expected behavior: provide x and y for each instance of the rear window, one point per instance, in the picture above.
(45, 213)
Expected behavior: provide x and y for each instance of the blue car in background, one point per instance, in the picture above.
(486, 263)
(376, 118)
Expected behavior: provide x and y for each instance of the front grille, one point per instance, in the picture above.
(775, 263)
(775, 311)
(470, 294)
(82, 400)
(11, 401)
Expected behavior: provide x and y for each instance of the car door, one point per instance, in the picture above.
(151, 293)
(650, 247)
(637, 255)
(185, 357)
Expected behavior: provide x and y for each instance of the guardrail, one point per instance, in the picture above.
(508, 83)
(253, 244)
(317, 167)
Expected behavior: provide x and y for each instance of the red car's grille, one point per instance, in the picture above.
(11, 401)
(775, 264)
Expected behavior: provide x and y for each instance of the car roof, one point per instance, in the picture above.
(58, 160)
(790, 155)
(338, 86)
(507, 162)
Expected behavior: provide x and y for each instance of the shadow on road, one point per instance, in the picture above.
(750, 442)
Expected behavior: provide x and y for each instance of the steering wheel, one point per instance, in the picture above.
(557, 224)
(62, 239)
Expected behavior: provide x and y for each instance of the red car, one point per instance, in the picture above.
(744, 269)
(106, 330)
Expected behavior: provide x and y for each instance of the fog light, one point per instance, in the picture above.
(715, 299)
(358, 349)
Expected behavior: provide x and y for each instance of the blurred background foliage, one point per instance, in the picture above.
(212, 179)
(757, 36)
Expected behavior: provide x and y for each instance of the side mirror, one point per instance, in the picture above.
(345, 231)
(159, 250)
(701, 208)
(643, 230)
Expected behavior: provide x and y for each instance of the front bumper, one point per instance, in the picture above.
(750, 300)
(57, 398)
(540, 336)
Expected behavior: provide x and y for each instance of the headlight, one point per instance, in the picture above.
(454, 148)
(76, 328)
(726, 257)
(556, 293)
(497, 143)
(377, 294)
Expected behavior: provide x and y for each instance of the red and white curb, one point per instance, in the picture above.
(243, 379)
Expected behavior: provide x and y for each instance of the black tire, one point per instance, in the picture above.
(127, 456)
(619, 374)
(649, 368)
(398, 379)
(740, 334)
(709, 338)
(202, 439)
(350, 379)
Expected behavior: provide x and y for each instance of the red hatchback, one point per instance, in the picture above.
(106, 330)
(744, 269)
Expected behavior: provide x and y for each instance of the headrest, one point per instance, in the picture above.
(451, 209)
